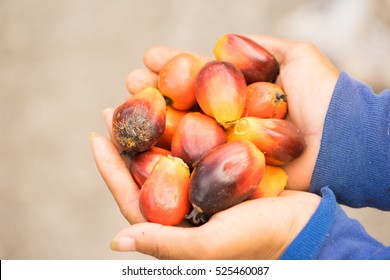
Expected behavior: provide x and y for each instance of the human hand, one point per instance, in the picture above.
(299, 79)
(308, 78)
(255, 229)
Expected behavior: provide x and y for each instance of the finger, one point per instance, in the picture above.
(161, 242)
(108, 114)
(117, 177)
(156, 57)
(139, 79)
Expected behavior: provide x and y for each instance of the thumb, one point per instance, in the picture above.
(161, 242)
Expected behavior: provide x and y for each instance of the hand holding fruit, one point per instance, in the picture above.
(254, 229)
(299, 170)
(306, 76)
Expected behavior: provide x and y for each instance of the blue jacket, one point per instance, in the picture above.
(352, 168)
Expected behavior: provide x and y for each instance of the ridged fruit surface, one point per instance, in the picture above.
(273, 183)
(279, 140)
(220, 91)
(195, 136)
(140, 121)
(141, 164)
(265, 100)
(226, 176)
(164, 195)
(255, 62)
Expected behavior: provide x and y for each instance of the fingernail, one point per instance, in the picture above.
(92, 135)
(123, 244)
(106, 111)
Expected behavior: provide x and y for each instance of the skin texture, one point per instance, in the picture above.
(308, 79)
(140, 79)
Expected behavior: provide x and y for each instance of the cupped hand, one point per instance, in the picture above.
(255, 229)
(261, 228)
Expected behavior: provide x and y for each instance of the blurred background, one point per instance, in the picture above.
(63, 62)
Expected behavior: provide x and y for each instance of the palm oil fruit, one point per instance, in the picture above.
(280, 140)
(176, 80)
(140, 121)
(273, 183)
(224, 177)
(173, 118)
(265, 100)
(164, 195)
(255, 62)
(220, 91)
(141, 164)
(195, 136)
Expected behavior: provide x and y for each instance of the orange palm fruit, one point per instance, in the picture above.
(220, 91)
(224, 177)
(280, 140)
(176, 80)
(265, 100)
(173, 118)
(164, 195)
(273, 183)
(255, 62)
(141, 164)
(195, 136)
(140, 121)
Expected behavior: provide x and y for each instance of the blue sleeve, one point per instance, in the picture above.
(330, 234)
(352, 168)
(354, 157)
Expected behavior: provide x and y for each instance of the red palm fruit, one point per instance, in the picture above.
(173, 118)
(220, 90)
(141, 164)
(164, 195)
(176, 80)
(273, 183)
(265, 100)
(226, 176)
(255, 62)
(140, 121)
(195, 136)
(279, 140)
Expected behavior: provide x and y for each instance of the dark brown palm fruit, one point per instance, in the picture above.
(140, 121)
(226, 176)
